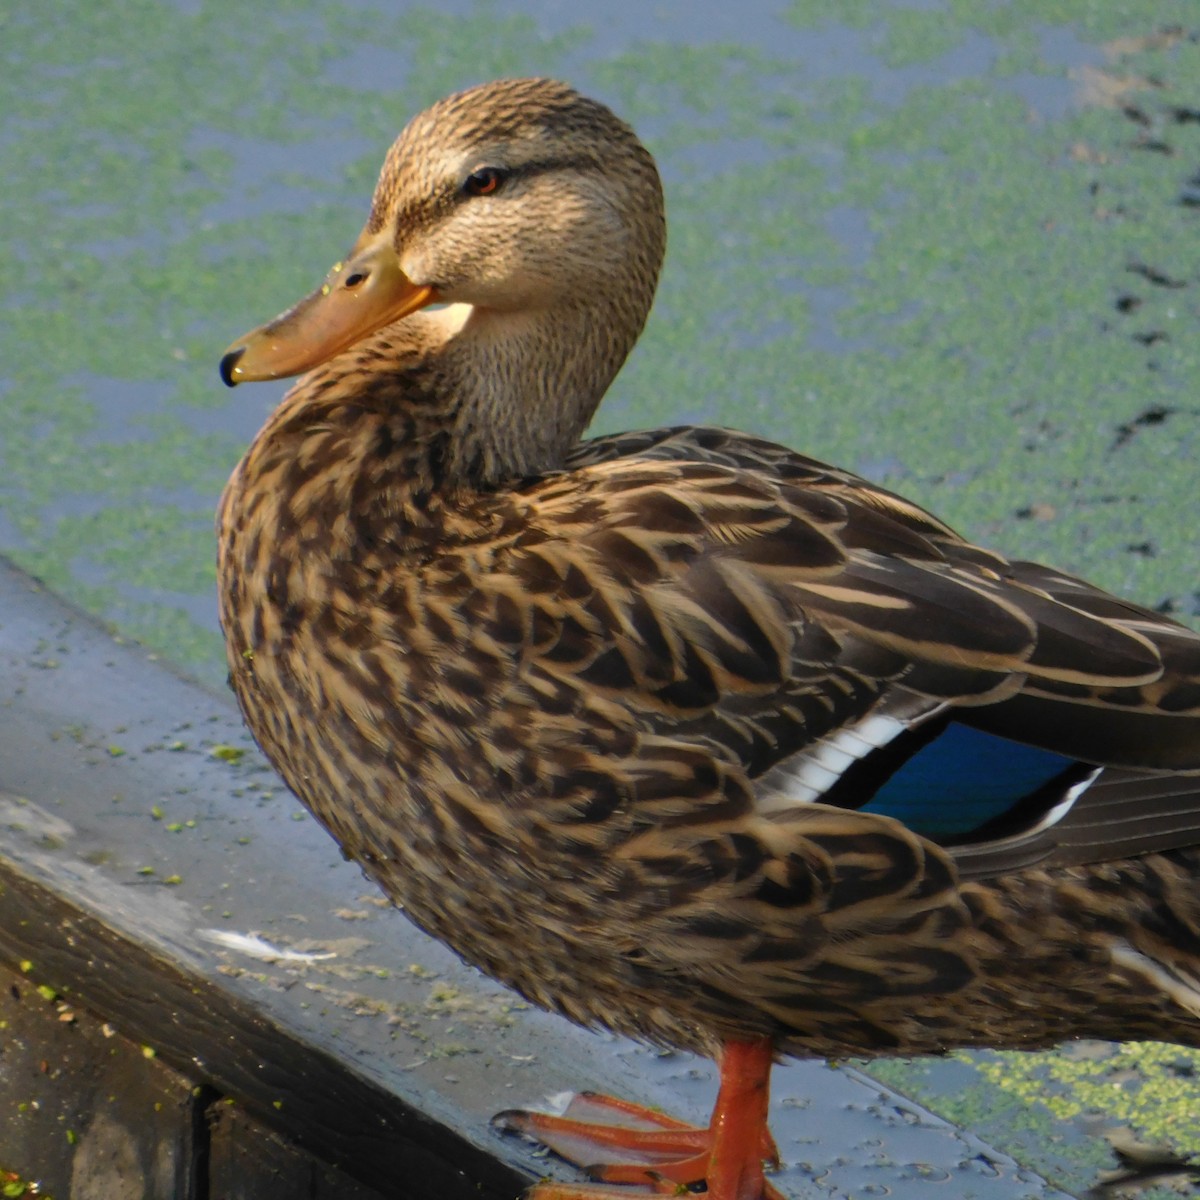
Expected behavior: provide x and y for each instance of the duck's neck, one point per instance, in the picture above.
(524, 385)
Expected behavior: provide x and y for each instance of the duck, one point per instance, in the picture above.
(679, 733)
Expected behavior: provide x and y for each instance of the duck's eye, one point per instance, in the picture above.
(483, 181)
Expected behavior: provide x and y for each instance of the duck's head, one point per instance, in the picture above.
(521, 198)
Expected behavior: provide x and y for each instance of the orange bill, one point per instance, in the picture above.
(359, 296)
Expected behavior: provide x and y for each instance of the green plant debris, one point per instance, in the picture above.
(1150, 1085)
(14, 1187)
(47, 992)
(1042, 1107)
(229, 754)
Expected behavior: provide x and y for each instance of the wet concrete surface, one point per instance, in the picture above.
(94, 1115)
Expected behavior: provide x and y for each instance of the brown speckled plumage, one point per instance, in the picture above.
(554, 697)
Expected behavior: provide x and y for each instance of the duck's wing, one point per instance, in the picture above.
(842, 647)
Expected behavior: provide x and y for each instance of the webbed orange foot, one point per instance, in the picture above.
(617, 1142)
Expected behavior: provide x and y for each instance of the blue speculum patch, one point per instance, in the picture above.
(965, 779)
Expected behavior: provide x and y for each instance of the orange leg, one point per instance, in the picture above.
(621, 1143)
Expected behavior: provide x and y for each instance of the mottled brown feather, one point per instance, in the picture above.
(548, 694)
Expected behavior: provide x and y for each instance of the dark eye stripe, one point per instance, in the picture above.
(487, 180)
(543, 166)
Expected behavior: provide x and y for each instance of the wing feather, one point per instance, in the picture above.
(742, 601)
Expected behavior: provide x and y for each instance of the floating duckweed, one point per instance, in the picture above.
(1150, 1085)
